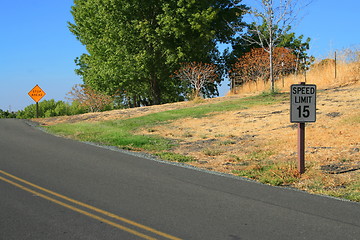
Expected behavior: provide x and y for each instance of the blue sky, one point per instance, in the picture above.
(36, 46)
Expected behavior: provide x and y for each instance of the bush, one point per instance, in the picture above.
(7, 114)
(51, 108)
(91, 99)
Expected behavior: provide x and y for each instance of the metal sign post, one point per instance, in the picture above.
(301, 148)
(302, 110)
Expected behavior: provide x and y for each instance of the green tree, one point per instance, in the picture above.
(76, 108)
(28, 112)
(62, 108)
(134, 46)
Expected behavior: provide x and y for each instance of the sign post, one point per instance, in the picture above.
(302, 110)
(37, 94)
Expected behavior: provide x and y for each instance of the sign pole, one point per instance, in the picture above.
(37, 109)
(301, 148)
(301, 142)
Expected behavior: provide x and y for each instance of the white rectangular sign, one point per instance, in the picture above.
(303, 103)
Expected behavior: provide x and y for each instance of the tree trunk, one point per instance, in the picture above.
(135, 101)
(155, 90)
(271, 45)
(272, 70)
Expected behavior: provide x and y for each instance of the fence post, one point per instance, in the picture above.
(335, 65)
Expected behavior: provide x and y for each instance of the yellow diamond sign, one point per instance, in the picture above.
(36, 93)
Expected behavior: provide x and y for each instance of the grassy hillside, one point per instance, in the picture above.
(122, 133)
(246, 136)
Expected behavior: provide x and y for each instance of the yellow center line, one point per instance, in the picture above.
(86, 206)
(78, 210)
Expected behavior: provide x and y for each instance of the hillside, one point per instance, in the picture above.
(256, 141)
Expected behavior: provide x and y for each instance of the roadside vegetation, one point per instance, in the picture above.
(7, 114)
(51, 108)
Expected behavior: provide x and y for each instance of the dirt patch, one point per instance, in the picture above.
(340, 167)
(333, 114)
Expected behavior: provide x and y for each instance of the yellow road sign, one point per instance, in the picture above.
(36, 93)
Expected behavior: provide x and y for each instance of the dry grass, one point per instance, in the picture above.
(323, 75)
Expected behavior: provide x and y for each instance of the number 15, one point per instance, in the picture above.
(303, 111)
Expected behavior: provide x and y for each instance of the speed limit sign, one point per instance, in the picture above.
(302, 110)
(303, 103)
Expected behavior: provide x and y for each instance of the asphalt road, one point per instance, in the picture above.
(55, 188)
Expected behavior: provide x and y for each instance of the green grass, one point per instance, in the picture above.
(350, 191)
(212, 152)
(278, 174)
(275, 174)
(120, 133)
(111, 133)
(258, 155)
(174, 157)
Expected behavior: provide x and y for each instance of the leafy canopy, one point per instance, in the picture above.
(134, 46)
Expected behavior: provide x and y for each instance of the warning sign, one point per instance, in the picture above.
(36, 93)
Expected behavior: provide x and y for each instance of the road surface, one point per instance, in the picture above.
(56, 188)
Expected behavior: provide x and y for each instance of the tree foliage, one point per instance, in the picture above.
(90, 99)
(253, 65)
(298, 46)
(198, 75)
(287, 39)
(134, 46)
